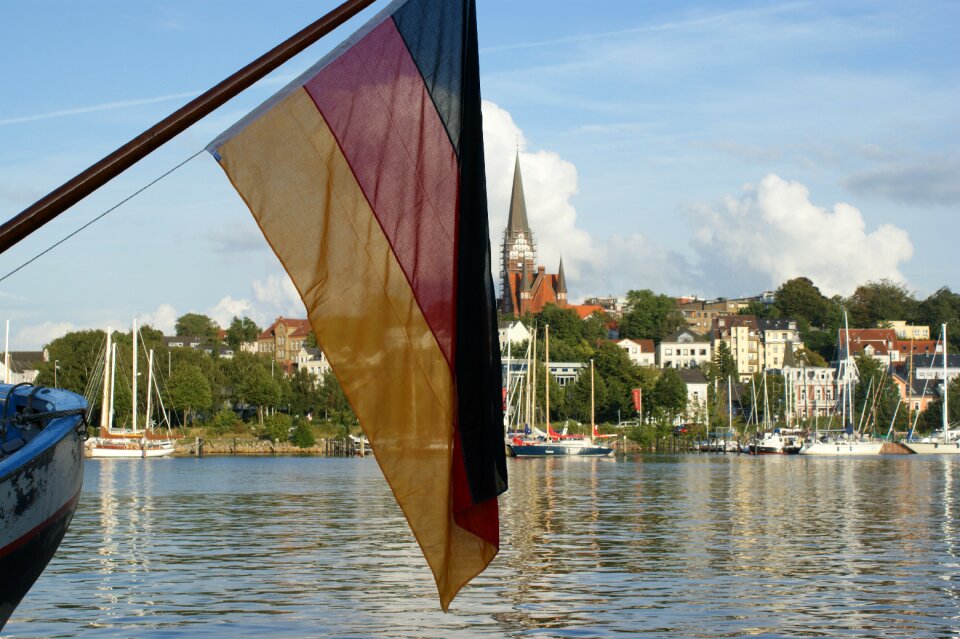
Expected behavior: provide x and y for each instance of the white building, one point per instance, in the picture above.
(640, 351)
(313, 361)
(512, 331)
(684, 349)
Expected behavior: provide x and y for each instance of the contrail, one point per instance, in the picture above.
(107, 106)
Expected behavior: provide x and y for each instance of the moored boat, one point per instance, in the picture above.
(41, 472)
(945, 441)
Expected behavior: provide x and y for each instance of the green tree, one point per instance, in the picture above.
(303, 435)
(76, 355)
(876, 302)
(259, 388)
(189, 390)
(723, 364)
(932, 418)
(648, 315)
(807, 357)
(241, 330)
(276, 427)
(670, 394)
(198, 325)
(799, 298)
(942, 307)
(223, 422)
(333, 401)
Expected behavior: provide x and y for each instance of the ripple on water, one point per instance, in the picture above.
(669, 546)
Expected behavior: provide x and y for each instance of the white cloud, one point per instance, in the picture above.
(228, 308)
(39, 335)
(773, 232)
(610, 266)
(164, 318)
(549, 183)
(276, 295)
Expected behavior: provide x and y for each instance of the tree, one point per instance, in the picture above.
(333, 401)
(650, 316)
(943, 307)
(876, 302)
(241, 330)
(197, 325)
(259, 388)
(77, 354)
(807, 357)
(276, 427)
(189, 390)
(799, 298)
(303, 435)
(670, 394)
(723, 364)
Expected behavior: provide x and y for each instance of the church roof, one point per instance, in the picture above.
(517, 220)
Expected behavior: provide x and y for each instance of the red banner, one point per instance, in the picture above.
(636, 399)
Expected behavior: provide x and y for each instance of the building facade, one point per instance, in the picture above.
(742, 335)
(283, 340)
(684, 349)
(641, 352)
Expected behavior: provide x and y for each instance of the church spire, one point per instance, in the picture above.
(561, 280)
(517, 221)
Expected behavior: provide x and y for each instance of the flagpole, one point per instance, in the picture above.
(85, 183)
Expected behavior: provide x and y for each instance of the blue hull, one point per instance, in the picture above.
(41, 472)
(558, 450)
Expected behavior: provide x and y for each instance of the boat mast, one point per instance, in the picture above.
(533, 382)
(946, 419)
(113, 379)
(107, 383)
(729, 406)
(593, 427)
(506, 412)
(546, 375)
(146, 426)
(133, 398)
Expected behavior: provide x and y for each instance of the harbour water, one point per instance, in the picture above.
(658, 546)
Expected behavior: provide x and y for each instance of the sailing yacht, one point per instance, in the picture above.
(551, 443)
(123, 443)
(945, 441)
(849, 442)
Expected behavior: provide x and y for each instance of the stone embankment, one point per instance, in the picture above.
(196, 447)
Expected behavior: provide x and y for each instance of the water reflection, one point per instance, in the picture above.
(684, 546)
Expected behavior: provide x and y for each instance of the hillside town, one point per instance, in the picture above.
(794, 339)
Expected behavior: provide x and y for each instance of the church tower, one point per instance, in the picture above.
(519, 251)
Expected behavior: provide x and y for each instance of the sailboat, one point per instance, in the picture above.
(551, 443)
(945, 441)
(779, 441)
(851, 441)
(130, 443)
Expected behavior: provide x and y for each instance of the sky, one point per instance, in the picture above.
(692, 148)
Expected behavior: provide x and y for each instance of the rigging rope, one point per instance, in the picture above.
(102, 215)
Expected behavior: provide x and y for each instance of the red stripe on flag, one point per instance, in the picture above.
(399, 152)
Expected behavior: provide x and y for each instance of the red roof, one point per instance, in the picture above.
(586, 310)
(295, 328)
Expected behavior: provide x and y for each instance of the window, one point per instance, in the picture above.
(668, 351)
(703, 351)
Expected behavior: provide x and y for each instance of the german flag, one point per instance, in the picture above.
(366, 176)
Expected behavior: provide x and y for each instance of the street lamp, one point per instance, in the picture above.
(56, 367)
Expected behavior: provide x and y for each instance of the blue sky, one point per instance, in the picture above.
(709, 148)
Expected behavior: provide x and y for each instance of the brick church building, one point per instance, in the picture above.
(524, 287)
